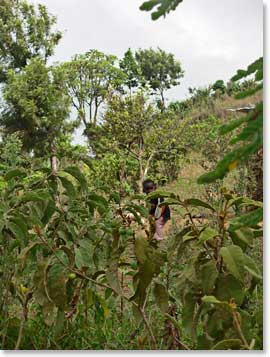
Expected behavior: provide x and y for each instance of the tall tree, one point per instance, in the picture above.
(24, 33)
(135, 129)
(90, 78)
(36, 106)
(132, 70)
(160, 70)
(128, 121)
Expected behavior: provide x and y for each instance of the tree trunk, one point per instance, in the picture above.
(162, 100)
(53, 160)
(141, 173)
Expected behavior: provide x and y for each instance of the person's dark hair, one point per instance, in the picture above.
(147, 183)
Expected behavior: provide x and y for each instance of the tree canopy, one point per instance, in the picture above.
(25, 32)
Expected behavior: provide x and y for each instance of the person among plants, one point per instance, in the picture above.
(160, 214)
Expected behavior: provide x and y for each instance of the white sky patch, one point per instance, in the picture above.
(211, 39)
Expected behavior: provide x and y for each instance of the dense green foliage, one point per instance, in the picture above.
(161, 7)
(25, 33)
(80, 268)
(251, 135)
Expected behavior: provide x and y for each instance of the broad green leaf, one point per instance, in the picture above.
(145, 275)
(228, 287)
(188, 313)
(136, 313)
(150, 263)
(34, 196)
(40, 291)
(218, 321)
(48, 212)
(104, 306)
(246, 324)
(108, 293)
(161, 297)
(158, 194)
(75, 172)
(17, 230)
(135, 213)
(138, 197)
(112, 271)
(60, 322)
(233, 258)
(189, 236)
(207, 233)
(143, 211)
(68, 186)
(170, 201)
(198, 203)
(141, 245)
(177, 239)
(24, 252)
(48, 312)
(98, 202)
(244, 201)
(69, 254)
(203, 343)
(162, 7)
(210, 299)
(247, 220)
(56, 284)
(207, 276)
(148, 5)
(90, 297)
(99, 199)
(259, 317)
(37, 209)
(230, 344)
(14, 173)
(251, 267)
(242, 237)
(84, 254)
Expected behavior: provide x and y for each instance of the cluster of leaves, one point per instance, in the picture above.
(35, 105)
(25, 33)
(62, 243)
(250, 139)
(218, 277)
(163, 7)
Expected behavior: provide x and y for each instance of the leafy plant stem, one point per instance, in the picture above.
(153, 339)
(239, 330)
(24, 318)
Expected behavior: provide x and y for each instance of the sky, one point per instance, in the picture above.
(210, 38)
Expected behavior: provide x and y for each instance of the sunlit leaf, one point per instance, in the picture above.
(161, 297)
(23, 255)
(56, 284)
(75, 172)
(208, 233)
(198, 203)
(234, 260)
(230, 344)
